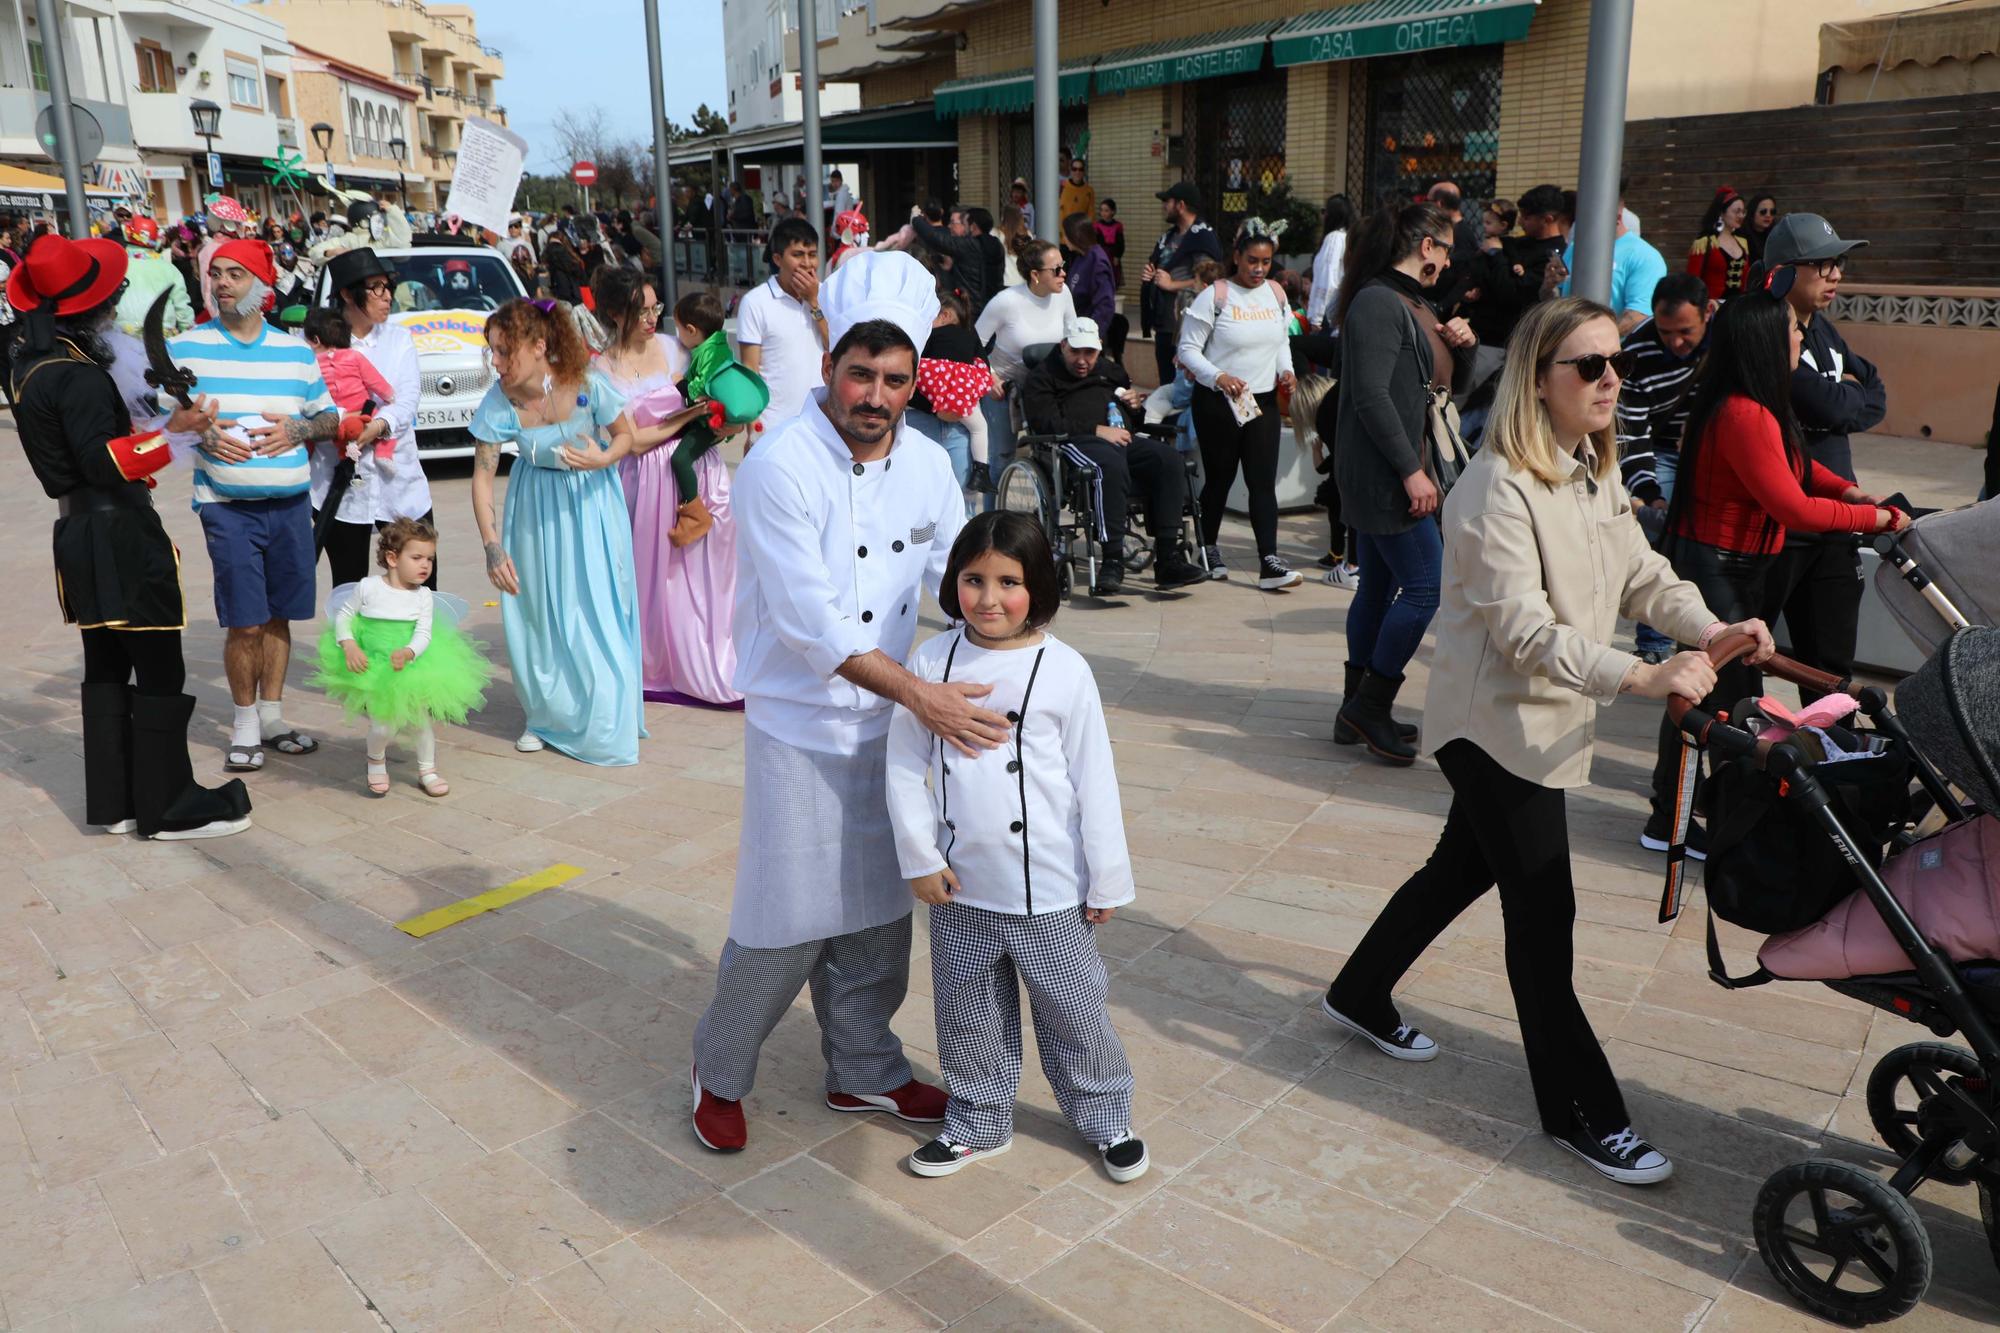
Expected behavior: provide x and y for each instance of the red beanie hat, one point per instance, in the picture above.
(255, 256)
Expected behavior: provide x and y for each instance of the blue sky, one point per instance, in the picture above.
(577, 52)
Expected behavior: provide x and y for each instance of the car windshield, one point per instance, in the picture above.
(452, 282)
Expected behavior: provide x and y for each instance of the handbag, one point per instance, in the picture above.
(1445, 451)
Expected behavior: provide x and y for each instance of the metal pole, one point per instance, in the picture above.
(809, 90)
(663, 194)
(64, 117)
(1047, 178)
(1604, 82)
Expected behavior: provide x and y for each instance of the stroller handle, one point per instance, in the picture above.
(1702, 724)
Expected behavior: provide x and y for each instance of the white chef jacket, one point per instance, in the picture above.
(372, 497)
(832, 560)
(1035, 826)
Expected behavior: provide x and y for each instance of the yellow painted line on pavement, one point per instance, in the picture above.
(452, 913)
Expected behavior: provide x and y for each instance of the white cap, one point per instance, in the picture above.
(1082, 335)
(886, 285)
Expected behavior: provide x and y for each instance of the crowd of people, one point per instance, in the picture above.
(1678, 456)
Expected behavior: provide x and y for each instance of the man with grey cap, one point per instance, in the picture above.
(1816, 584)
(845, 518)
(1080, 393)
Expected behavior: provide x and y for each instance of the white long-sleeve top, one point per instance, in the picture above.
(1249, 339)
(372, 497)
(832, 560)
(1035, 826)
(377, 599)
(1326, 278)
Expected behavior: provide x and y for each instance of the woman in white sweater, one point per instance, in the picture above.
(1236, 342)
(1034, 313)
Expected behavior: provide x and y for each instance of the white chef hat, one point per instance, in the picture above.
(885, 284)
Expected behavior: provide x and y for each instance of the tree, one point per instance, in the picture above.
(706, 122)
(581, 135)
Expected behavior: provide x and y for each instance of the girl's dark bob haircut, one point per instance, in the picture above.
(1019, 537)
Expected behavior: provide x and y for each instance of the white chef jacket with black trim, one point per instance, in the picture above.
(1035, 826)
(832, 560)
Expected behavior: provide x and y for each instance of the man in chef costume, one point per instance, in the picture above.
(845, 516)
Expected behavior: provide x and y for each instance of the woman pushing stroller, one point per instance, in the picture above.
(1542, 554)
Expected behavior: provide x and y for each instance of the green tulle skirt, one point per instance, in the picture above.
(444, 684)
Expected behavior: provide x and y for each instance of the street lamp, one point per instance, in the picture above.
(397, 147)
(207, 124)
(322, 134)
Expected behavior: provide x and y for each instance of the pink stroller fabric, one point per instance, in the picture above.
(1949, 884)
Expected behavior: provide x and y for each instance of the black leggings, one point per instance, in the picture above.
(1225, 444)
(149, 660)
(350, 555)
(1502, 829)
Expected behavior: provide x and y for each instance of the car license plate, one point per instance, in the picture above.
(435, 417)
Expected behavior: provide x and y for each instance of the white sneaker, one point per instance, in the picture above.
(1343, 576)
(530, 743)
(122, 826)
(220, 828)
(1125, 1158)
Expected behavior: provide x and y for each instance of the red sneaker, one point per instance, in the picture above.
(717, 1123)
(917, 1102)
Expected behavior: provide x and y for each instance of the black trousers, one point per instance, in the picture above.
(1227, 445)
(1151, 466)
(1736, 587)
(350, 555)
(1816, 586)
(1508, 831)
(148, 660)
(1165, 348)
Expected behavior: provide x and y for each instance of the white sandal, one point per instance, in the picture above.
(433, 785)
(529, 743)
(378, 775)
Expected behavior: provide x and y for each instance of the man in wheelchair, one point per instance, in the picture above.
(1085, 397)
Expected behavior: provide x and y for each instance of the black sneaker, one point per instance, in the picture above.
(1274, 575)
(1110, 578)
(1216, 569)
(1623, 1157)
(1659, 831)
(1404, 1043)
(941, 1157)
(1329, 561)
(1173, 572)
(1125, 1158)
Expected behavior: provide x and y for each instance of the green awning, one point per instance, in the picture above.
(1184, 59)
(1398, 27)
(1002, 94)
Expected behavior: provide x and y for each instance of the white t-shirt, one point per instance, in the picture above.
(773, 319)
(1016, 319)
(1250, 339)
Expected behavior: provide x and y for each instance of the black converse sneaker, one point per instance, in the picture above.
(1273, 575)
(941, 1157)
(1624, 1156)
(1405, 1043)
(1213, 557)
(1125, 1158)
(1658, 835)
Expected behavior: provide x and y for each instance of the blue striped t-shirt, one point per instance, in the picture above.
(274, 376)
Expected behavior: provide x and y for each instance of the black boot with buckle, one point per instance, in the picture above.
(1343, 731)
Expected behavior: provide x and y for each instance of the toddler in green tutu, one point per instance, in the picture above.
(393, 653)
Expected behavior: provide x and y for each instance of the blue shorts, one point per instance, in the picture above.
(262, 551)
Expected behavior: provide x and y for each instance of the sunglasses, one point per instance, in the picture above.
(1056, 268)
(1590, 367)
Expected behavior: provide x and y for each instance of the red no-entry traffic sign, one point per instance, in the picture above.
(584, 173)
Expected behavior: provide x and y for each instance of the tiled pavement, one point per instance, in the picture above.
(238, 1098)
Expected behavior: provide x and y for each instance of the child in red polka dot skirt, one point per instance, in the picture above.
(952, 377)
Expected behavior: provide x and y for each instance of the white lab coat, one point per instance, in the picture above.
(372, 497)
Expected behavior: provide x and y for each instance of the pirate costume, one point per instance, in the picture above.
(117, 573)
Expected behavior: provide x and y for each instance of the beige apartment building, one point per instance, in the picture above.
(431, 50)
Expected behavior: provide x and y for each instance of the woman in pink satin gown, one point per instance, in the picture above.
(687, 595)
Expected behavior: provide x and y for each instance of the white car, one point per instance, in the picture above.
(444, 292)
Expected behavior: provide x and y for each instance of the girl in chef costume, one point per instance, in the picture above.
(1020, 852)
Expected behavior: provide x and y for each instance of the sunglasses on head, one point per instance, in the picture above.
(1590, 367)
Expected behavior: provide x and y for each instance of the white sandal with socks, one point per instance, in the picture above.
(378, 775)
(433, 785)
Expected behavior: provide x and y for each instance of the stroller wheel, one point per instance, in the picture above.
(1900, 1085)
(1844, 1243)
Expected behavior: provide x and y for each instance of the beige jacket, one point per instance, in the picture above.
(1534, 580)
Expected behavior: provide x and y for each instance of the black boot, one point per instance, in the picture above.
(1343, 731)
(1367, 711)
(107, 755)
(165, 800)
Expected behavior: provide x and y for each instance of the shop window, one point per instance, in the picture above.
(1233, 144)
(1431, 117)
(156, 69)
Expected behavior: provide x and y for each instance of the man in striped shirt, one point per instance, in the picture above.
(251, 478)
(1653, 406)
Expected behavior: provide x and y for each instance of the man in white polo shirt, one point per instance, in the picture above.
(780, 331)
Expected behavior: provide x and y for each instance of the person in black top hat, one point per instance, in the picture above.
(117, 573)
(1187, 241)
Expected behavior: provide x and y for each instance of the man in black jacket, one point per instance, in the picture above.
(1079, 393)
(1817, 582)
(964, 244)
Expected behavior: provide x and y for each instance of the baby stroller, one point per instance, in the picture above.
(1821, 809)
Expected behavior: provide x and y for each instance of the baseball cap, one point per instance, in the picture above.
(1082, 335)
(1800, 238)
(1183, 191)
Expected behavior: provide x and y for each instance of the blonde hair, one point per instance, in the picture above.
(1519, 429)
(1307, 395)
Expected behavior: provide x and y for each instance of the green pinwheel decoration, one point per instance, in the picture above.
(287, 169)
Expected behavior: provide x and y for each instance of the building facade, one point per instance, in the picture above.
(98, 79)
(367, 123)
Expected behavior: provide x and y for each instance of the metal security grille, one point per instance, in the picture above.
(1234, 143)
(1431, 117)
(1017, 146)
